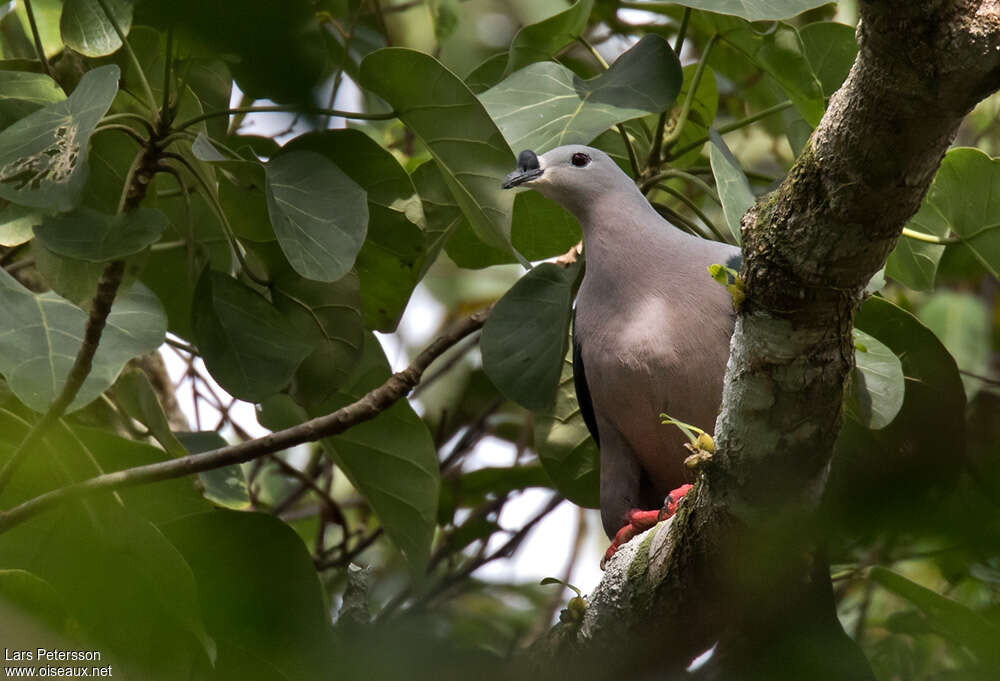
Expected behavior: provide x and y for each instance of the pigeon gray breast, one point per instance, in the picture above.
(651, 327)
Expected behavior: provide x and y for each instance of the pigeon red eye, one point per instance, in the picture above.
(580, 160)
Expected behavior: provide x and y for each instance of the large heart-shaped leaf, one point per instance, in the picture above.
(43, 156)
(565, 447)
(471, 153)
(734, 189)
(830, 48)
(524, 339)
(319, 214)
(541, 41)
(877, 387)
(751, 10)
(86, 28)
(391, 259)
(87, 234)
(390, 459)
(44, 334)
(546, 105)
(249, 347)
(22, 93)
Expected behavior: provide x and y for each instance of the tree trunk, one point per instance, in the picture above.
(740, 565)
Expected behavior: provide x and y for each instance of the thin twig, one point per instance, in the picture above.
(736, 125)
(140, 74)
(311, 110)
(368, 407)
(675, 132)
(38, 38)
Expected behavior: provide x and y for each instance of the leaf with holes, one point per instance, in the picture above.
(86, 28)
(546, 105)
(44, 334)
(249, 347)
(43, 156)
(319, 214)
(87, 234)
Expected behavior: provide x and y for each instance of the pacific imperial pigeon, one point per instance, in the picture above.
(651, 332)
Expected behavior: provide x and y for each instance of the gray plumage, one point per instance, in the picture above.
(652, 328)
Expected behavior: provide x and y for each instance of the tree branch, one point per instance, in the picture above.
(368, 407)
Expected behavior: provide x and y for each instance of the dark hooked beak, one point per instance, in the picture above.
(527, 170)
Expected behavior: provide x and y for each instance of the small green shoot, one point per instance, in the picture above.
(730, 278)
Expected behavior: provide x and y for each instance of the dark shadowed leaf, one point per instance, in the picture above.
(487, 74)
(541, 41)
(831, 49)
(391, 460)
(734, 189)
(753, 10)
(565, 447)
(546, 105)
(542, 228)
(249, 347)
(877, 387)
(258, 589)
(46, 331)
(328, 317)
(319, 214)
(524, 339)
(43, 156)
(391, 258)
(136, 396)
(226, 486)
(85, 27)
(440, 110)
(87, 234)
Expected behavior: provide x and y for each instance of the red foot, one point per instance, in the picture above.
(638, 521)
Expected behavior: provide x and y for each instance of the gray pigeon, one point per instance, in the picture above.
(651, 331)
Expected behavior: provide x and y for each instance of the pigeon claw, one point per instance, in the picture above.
(638, 521)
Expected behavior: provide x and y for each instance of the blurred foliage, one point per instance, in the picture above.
(271, 267)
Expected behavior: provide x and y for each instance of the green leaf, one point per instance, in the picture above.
(135, 394)
(755, 10)
(85, 27)
(87, 234)
(947, 617)
(877, 387)
(45, 333)
(391, 460)
(32, 594)
(258, 589)
(524, 338)
(543, 40)
(17, 223)
(546, 105)
(487, 74)
(734, 189)
(243, 198)
(319, 214)
(779, 52)
(962, 199)
(441, 111)
(830, 48)
(225, 486)
(704, 107)
(447, 227)
(249, 347)
(328, 317)
(43, 156)
(914, 263)
(542, 228)
(962, 322)
(565, 447)
(22, 93)
(391, 260)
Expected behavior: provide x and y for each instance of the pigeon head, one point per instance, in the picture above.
(572, 175)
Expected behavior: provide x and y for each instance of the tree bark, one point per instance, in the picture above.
(739, 565)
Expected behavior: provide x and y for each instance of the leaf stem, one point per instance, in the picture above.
(947, 240)
(697, 210)
(37, 38)
(140, 74)
(680, 174)
(735, 125)
(125, 129)
(368, 407)
(360, 115)
(675, 132)
(167, 65)
(682, 32)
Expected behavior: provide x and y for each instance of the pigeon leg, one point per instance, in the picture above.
(638, 521)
